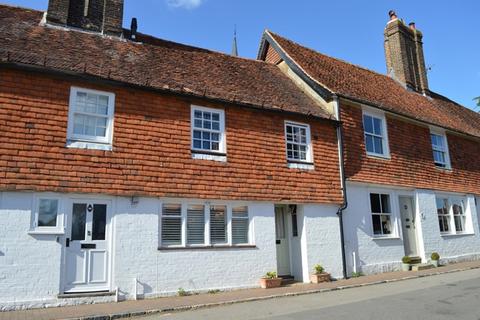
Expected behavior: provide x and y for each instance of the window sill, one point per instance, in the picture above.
(55, 232)
(378, 156)
(448, 235)
(88, 145)
(300, 165)
(240, 246)
(385, 238)
(206, 155)
(444, 169)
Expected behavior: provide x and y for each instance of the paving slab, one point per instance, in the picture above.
(127, 309)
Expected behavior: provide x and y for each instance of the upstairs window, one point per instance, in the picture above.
(90, 116)
(375, 131)
(297, 138)
(381, 214)
(440, 150)
(208, 130)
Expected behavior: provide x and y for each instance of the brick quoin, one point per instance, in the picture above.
(411, 163)
(151, 148)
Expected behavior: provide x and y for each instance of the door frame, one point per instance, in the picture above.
(109, 238)
(416, 217)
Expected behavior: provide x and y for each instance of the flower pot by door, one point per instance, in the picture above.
(435, 263)
(405, 267)
(270, 283)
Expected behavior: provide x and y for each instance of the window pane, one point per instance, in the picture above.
(47, 213)
(99, 221)
(195, 225)
(378, 145)
(377, 229)
(240, 225)
(79, 218)
(171, 224)
(385, 203)
(368, 124)
(458, 223)
(369, 143)
(216, 126)
(198, 123)
(442, 206)
(375, 203)
(377, 126)
(197, 114)
(218, 230)
(386, 226)
(216, 116)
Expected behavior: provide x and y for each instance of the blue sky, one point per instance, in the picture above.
(348, 29)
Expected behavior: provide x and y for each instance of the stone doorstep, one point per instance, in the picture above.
(422, 266)
(85, 294)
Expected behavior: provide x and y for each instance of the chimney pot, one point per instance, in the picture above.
(412, 25)
(133, 29)
(392, 15)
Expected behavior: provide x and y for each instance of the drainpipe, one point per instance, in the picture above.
(343, 185)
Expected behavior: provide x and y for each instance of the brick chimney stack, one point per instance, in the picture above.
(404, 54)
(105, 16)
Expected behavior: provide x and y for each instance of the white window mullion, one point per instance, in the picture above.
(207, 224)
(184, 225)
(229, 225)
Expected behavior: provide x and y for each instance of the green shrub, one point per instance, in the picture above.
(271, 275)
(406, 260)
(435, 256)
(182, 292)
(318, 269)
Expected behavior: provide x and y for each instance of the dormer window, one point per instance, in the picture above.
(440, 149)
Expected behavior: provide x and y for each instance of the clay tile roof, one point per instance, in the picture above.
(153, 63)
(354, 82)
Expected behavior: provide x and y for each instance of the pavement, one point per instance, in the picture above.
(173, 304)
(447, 296)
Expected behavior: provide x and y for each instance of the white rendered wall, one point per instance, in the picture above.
(29, 264)
(322, 240)
(163, 272)
(374, 255)
(451, 248)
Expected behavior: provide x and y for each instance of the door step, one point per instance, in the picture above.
(85, 294)
(422, 266)
(287, 280)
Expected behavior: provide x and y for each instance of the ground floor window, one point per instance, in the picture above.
(451, 215)
(381, 214)
(204, 225)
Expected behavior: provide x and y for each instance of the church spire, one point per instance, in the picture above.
(234, 45)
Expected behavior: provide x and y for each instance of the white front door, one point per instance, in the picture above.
(283, 248)
(87, 260)
(408, 226)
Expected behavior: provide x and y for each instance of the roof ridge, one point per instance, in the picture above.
(330, 57)
(7, 5)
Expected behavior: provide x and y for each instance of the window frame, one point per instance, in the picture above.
(393, 214)
(308, 144)
(441, 133)
(367, 111)
(443, 215)
(59, 228)
(467, 227)
(72, 137)
(182, 222)
(222, 132)
(207, 239)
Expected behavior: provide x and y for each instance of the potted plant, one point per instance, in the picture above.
(319, 274)
(435, 257)
(270, 280)
(406, 263)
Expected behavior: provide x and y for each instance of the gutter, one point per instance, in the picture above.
(342, 184)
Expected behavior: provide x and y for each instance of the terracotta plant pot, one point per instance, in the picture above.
(321, 277)
(270, 283)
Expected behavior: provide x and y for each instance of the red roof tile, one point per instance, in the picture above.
(154, 63)
(351, 81)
